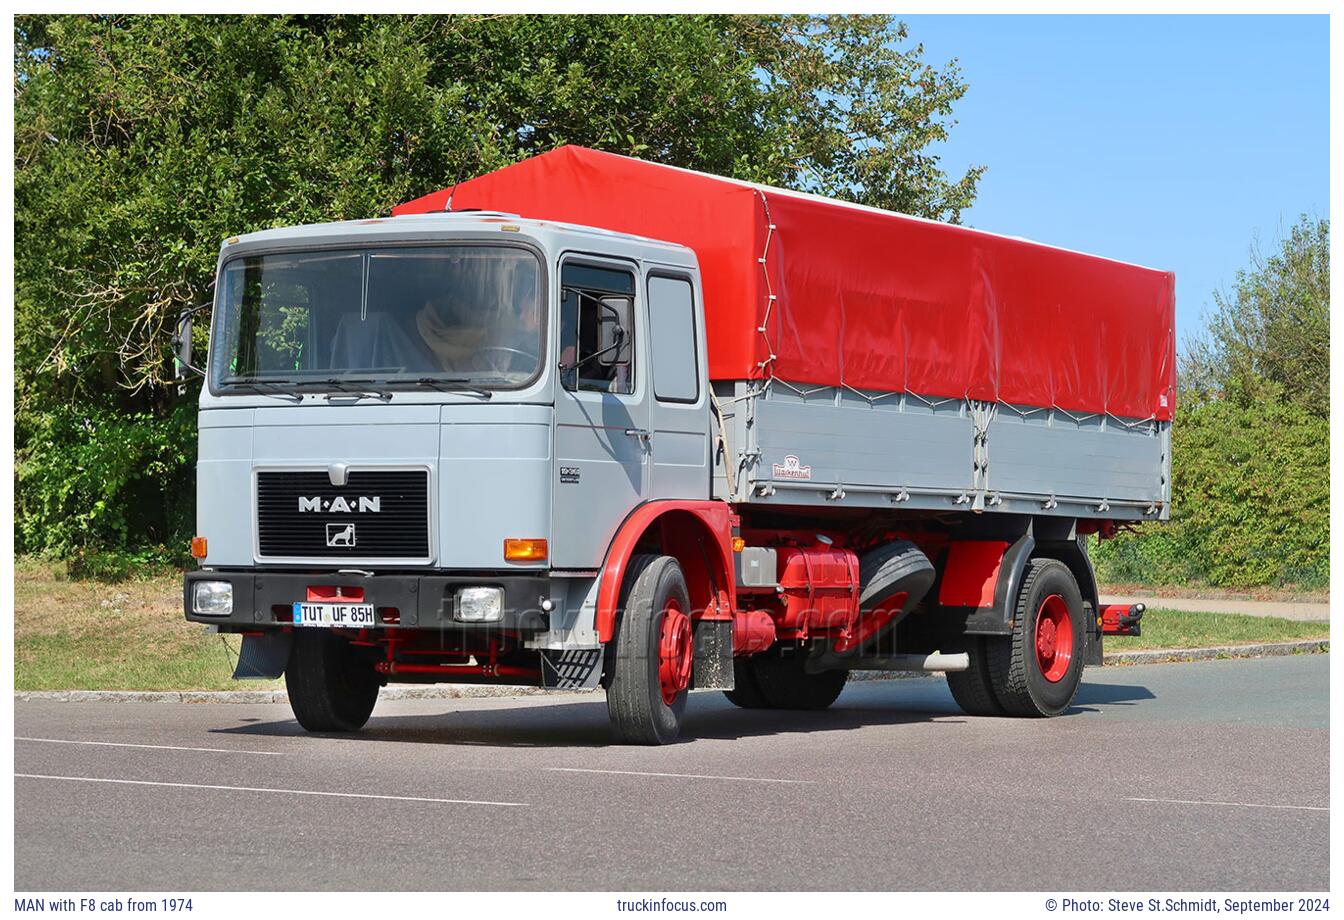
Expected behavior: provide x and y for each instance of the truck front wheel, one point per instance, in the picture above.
(332, 686)
(651, 653)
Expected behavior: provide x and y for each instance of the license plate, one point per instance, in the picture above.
(334, 615)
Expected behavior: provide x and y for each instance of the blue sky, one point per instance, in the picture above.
(1171, 141)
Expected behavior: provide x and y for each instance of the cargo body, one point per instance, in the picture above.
(608, 423)
(894, 358)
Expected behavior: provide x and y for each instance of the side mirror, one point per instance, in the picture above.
(182, 366)
(613, 329)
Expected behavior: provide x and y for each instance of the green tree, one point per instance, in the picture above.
(1270, 337)
(1250, 502)
(142, 141)
(1251, 439)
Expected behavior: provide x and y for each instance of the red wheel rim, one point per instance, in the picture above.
(1054, 638)
(674, 652)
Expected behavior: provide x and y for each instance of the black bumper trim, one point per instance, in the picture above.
(264, 599)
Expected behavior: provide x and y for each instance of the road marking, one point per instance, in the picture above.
(1232, 804)
(340, 795)
(157, 747)
(735, 779)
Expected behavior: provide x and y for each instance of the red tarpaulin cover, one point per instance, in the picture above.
(869, 298)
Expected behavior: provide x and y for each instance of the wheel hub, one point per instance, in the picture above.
(1054, 638)
(674, 653)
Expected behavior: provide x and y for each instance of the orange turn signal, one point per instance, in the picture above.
(198, 547)
(739, 544)
(525, 550)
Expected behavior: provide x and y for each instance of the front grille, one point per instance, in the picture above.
(377, 514)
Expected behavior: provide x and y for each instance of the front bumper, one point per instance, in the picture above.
(266, 599)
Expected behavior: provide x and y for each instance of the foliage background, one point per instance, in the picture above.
(1251, 438)
(142, 141)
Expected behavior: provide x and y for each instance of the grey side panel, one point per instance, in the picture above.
(495, 472)
(795, 445)
(841, 444)
(1093, 457)
(224, 485)
(599, 473)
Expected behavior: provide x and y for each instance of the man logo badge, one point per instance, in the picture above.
(341, 535)
(364, 503)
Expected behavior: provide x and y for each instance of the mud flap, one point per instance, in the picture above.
(573, 669)
(712, 666)
(263, 657)
(1092, 652)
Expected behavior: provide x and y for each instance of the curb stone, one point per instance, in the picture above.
(440, 692)
(465, 691)
(1262, 650)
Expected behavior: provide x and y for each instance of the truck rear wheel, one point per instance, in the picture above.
(973, 689)
(746, 693)
(1036, 671)
(779, 681)
(652, 650)
(332, 686)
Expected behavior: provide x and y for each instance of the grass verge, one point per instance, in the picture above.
(1163, 629)
(86, 635)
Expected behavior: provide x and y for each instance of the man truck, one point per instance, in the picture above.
(590, 421)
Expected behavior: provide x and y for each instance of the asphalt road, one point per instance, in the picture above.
(1200, 776)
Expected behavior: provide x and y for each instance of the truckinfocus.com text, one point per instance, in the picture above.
(659, 905)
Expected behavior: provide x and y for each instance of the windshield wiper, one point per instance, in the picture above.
(267, 389)
(343, 385)
(453, 385)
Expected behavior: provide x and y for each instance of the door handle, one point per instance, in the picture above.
(643, 434)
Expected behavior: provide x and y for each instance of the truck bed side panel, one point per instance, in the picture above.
(852, 449)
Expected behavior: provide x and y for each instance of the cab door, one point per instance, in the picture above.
(602, 437)
(679, 412)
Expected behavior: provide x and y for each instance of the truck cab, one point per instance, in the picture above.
(434, 425)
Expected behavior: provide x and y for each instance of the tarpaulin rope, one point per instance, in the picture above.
(770, 296)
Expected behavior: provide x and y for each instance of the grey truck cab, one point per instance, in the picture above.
(430, 427)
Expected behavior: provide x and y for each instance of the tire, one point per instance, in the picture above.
(1026, 680)
(896, 566)
(332, 686)
(642, 677)
(784, 684)
(973, 689)
(746, 693)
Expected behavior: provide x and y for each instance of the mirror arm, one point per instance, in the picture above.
(615, 346)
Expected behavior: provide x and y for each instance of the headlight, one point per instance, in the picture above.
(212, 598)
(480, 605)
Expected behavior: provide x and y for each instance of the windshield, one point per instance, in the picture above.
(456, 314)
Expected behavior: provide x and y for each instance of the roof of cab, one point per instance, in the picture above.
(435, 225)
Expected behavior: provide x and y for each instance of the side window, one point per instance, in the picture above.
(597, 329)
(672, 337)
